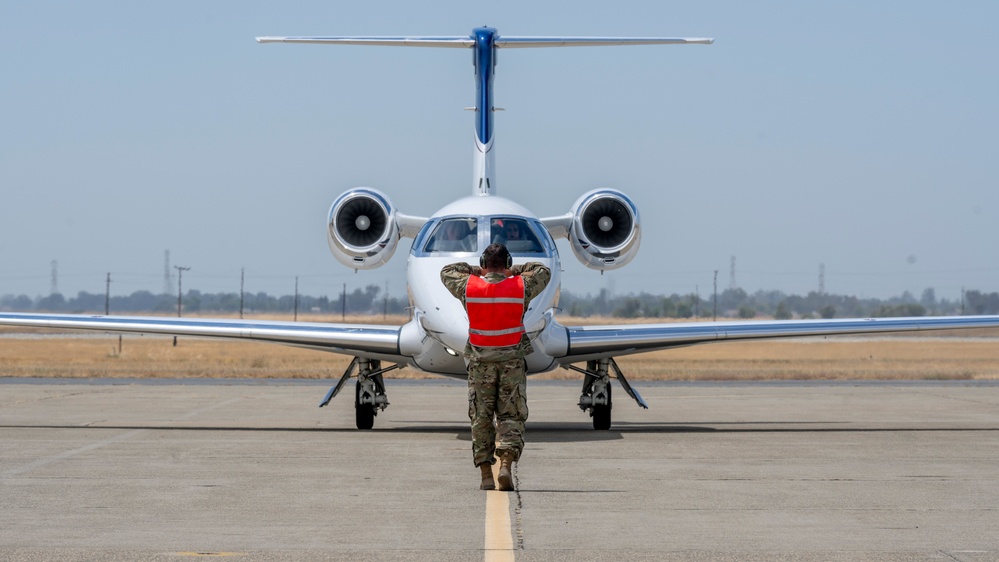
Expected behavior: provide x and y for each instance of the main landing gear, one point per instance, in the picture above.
(369, 393)
(596, 395)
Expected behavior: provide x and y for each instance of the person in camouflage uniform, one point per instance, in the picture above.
(497, 379)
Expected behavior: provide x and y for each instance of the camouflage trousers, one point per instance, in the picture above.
(497, 390)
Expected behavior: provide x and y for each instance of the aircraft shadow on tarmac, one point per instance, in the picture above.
(552, 432)
(539, 433)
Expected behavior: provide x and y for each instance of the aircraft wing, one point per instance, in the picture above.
(587, 343)
(364, 340)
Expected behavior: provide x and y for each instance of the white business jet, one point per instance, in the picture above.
(602, 226)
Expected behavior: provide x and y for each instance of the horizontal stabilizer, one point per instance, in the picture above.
(500, 42)
(525, 42)
(455, 42)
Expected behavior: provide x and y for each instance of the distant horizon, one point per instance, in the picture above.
(219, 281)
(702, 294)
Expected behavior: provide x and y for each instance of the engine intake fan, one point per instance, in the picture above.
(605, 230)
(361, 221)
(607, 222)
(363, 232)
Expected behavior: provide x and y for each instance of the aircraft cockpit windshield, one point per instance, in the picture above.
(515, 234)
(462, 235)
(454, 235)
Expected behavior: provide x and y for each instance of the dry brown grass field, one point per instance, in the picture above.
(950, 355)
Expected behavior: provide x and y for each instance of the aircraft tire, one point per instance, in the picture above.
(364, 414)
(602, 414)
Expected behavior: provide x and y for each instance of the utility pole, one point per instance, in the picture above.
(107, 305)
(296, 298)
(385, 307)
(55, 278)
(180, 283)
(714, 306)
(242, 273)
(167, 284)
(343, 303)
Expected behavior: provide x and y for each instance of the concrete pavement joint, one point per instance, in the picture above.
(97, 445)
(69, 454)
(519, 519)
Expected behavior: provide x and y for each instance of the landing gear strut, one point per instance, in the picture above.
(596, 395)
(369, 392)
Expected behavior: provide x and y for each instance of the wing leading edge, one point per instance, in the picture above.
(587, 343)
(370, 341)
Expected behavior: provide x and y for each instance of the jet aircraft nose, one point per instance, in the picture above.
(454, 336)
(446, 321)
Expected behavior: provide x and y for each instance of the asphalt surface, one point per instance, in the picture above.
(255, 471)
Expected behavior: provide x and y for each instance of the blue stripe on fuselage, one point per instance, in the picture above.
(484, 63)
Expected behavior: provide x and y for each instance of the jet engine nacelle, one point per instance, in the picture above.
(604, 232)
(362, 229)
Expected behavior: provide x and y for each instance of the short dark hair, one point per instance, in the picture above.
(495, 256)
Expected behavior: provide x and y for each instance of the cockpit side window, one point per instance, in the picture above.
(515, 234)
(453, 235)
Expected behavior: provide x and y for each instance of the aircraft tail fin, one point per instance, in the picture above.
(485, 40)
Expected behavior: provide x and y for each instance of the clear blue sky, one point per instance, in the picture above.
(859, 135)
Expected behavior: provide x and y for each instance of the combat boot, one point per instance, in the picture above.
(506, 472)
(487, 477)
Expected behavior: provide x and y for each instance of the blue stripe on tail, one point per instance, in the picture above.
(485, 62)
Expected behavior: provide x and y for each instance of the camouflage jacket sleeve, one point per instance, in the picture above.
(455, 278)
(536, 277)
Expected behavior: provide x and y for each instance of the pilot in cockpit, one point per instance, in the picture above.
(515, 235)
(453, 236)
(511, 231)
(455, 230)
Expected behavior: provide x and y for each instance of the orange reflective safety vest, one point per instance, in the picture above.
(495, 311)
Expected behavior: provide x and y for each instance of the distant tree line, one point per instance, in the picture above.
(736, 303)
(368, 300)
(731, 303)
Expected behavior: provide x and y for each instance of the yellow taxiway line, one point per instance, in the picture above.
(499, 535)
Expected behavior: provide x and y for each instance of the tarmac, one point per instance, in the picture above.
(254, 470)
